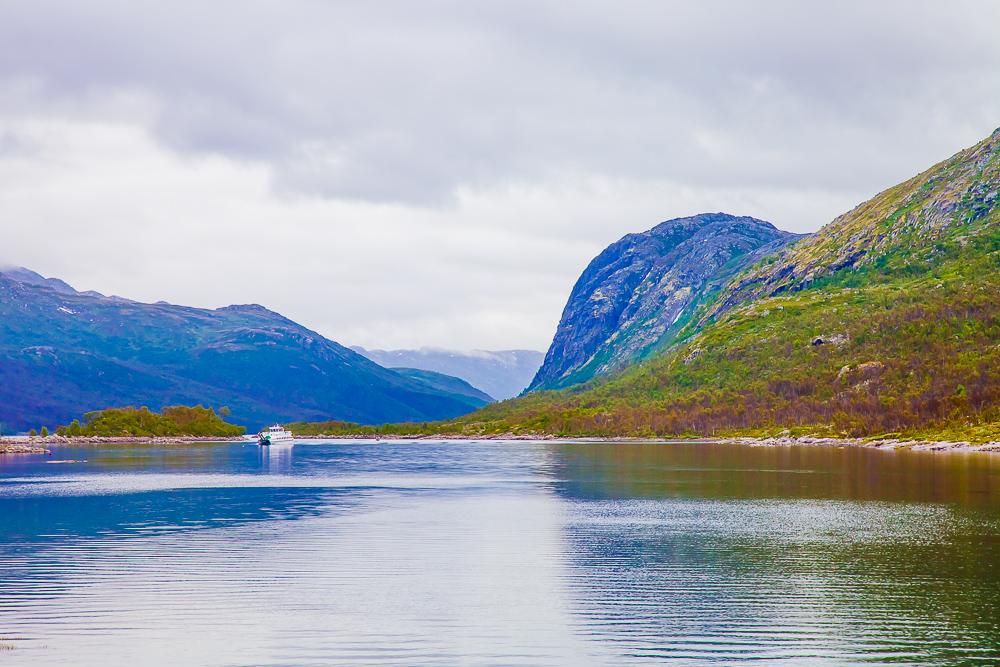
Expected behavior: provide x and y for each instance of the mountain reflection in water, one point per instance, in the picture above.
(498, 553)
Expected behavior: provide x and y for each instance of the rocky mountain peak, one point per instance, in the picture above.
(641, 289)
(28, 277)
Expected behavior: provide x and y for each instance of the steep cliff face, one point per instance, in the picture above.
(63, 353)
(640, 290)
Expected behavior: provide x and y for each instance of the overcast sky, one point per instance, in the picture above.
(439, 173)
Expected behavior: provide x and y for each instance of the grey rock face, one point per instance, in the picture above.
(642, 289)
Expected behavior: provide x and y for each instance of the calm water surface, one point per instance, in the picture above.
(499, 554)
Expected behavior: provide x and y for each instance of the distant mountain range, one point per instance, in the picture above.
(885, 321)
(501, 374)
(63, 353)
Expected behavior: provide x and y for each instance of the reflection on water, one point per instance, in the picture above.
(733, 471)
(276, 458)
(499, 554)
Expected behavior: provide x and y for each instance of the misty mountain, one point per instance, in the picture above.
(501, 374)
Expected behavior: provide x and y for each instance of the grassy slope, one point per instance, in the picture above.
(908, 287)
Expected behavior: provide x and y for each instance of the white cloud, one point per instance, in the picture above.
(406, 174)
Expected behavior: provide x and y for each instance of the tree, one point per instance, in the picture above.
(225, 411)
(173, 420)
(45, 431)
(32, 433)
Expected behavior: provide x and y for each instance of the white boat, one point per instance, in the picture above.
(274, 435)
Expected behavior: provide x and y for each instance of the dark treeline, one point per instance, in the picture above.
(177, 420)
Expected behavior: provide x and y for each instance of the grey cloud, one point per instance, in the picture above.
(402, 101)
(439, 173)
(12, 145)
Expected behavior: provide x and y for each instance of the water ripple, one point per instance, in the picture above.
(498, 554)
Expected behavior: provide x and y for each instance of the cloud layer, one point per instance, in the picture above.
(404, 174)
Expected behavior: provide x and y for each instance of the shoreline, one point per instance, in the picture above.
(38, 445)
(21, 448)
(888, 444)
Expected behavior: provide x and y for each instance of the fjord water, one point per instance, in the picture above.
(499, 553)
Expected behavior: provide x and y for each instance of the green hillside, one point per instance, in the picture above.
(908, 230)
(885, 321)
(448, 384)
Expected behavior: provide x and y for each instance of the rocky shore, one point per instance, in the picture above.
(782, 441)
(21, 448)
(888, 443)
(439, 436)
(37, 444)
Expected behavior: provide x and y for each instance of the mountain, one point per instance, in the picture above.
(642, 289)
(886, 321)
(448, 384)
(27, 277)
(63, 353)
(908, 229)
(500, 374)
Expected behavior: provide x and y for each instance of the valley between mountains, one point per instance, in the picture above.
(884, 323)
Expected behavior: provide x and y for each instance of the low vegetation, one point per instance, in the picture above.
(342, 428)
(177, 420)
